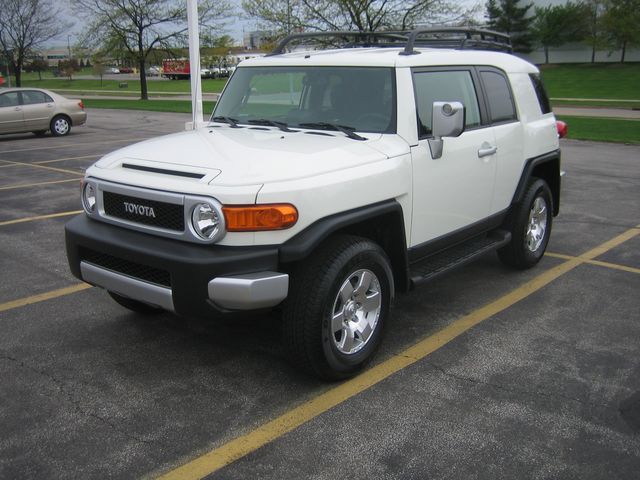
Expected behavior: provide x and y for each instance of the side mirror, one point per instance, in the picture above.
(447, 121)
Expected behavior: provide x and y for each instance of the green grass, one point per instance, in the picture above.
(617, 81)
(154, 86)
(603, 129)
(179, 106)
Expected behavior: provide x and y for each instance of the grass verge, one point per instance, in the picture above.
(603, 129)
(177, 106)
(133, 86)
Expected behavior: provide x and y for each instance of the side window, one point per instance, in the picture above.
(499, 97)
(31, 97)
(453, 86)
(541, 93)
(9, 99)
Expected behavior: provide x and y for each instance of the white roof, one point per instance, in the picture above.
(390, 57)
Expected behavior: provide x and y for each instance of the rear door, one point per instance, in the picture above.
(455, 190)
(38, 108)
(11, 117)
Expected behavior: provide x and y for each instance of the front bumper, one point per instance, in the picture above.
(189, 279)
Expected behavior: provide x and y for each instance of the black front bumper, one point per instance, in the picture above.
(187, 267)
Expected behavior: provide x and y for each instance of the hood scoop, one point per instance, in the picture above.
(164, 171)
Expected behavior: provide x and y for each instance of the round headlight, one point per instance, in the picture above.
(207, 221)
(89, 197)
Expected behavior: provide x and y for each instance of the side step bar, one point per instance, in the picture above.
(441, 262)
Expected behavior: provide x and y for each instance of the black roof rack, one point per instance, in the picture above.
(459, 38)
(359, 39)
(443, 37)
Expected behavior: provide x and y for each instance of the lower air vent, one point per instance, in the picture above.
(125, 267)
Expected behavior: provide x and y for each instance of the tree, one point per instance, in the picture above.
(68, 67)
(37, 65)
(508, 17)
(595, 38)
(24, 26)
(140, 26)
(98, 68)
(621, 22)
(556, 25)
(286, 16)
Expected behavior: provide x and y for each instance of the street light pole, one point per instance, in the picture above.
(194, 64)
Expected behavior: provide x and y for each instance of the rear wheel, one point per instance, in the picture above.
(135, 305)
(530, 225)
(60, 126)
(338, 303)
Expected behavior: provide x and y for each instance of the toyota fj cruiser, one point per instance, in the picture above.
(325, 182)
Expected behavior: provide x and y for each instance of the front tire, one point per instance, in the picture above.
(135, 305)
(60, 126)
(339, 301)
(530, 224)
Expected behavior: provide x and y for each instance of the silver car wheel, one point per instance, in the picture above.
(61, 126)
(537, 225)
(356, 311)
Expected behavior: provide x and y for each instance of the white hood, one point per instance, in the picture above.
(249, 156)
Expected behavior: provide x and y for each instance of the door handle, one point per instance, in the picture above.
(17, 109)
(486, 150)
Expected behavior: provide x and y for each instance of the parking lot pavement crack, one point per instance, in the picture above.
(511, 389)
(60, 386)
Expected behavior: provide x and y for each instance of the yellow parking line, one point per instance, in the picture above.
(237, 448)
(42, 162)
(25, 185)
(615, 266)
(39, 217)
(41, 297)
(73, 145)
(35, 165)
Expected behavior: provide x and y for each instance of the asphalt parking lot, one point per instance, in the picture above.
(485, 373)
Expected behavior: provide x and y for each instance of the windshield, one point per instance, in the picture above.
(356, 98)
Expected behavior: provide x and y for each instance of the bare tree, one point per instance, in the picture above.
(24, 26)
(143, 25)
(285, 16)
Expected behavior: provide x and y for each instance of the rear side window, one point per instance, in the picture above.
(501, 105)
(31, 97)
(453, 86)
(541, 93)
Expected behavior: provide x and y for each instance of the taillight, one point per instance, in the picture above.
(255, 218)
(562, 128)
(81, 105)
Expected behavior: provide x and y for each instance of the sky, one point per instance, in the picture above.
(236, 26)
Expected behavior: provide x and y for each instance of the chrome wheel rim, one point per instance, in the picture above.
(61, 126)
(356, 311)
(537, 226)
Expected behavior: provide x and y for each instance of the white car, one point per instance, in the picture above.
(325, 182)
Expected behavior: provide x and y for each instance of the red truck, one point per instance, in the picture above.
(176, 69)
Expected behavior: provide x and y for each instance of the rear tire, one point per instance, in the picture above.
(60, 126)
(338, 303)
(135, 305)
(530, 223)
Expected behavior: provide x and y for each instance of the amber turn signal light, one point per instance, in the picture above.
(257, 218)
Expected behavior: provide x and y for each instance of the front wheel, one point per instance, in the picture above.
(530, 225)
(338, 303)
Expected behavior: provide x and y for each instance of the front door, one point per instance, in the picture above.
(455, 190)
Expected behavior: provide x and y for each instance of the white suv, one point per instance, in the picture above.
(325, 182)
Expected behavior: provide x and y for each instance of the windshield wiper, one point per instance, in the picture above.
(233, 123)
(348, 131)
(272, 123)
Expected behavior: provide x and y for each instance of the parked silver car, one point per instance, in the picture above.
(37, 110)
